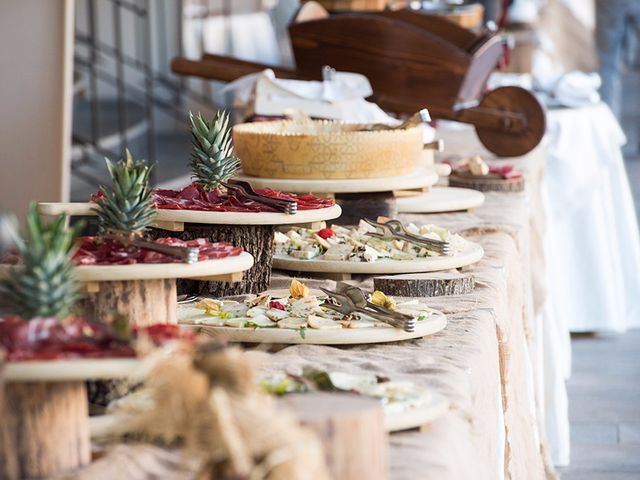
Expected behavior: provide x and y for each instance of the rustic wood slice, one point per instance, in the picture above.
(356, 206)
(257, 240)
(72, 370)
(426, 284)
(383, 266)
(341, 336)
(351, 429)
(47, 427)
(8, 459)
(488, 183)
(45, 418)
(419, 416)
(142, 302)
(166, 216)
(440, 200)
(151, 271)
(421, 177)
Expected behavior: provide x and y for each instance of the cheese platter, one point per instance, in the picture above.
(344, 251)
(406, 405)
(301, 316)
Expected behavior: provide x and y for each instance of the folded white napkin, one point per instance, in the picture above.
(572, 89)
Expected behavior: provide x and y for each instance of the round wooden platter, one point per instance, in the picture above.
(488, 183)
(205, 269)
(420, 178)
(338, 336)
(419, 416)
(174, 218)
(439, 200)
(385, 266)
(69, 370)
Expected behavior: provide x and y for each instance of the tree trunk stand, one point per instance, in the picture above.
(255, 239)
(142, 302)
(488, 183)
(426, 284)
(351, 429)
(356, 206)
(47, 429)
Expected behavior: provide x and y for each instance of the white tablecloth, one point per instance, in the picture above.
(593, 246)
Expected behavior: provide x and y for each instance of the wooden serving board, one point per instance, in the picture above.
(69, 370)
(384, 266)
(488, 183)
(439, 200)
(420, 178)
(419, 416)
(206, 269)
(177, 217)
(341, 336)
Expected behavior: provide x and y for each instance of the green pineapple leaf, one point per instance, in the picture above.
(45, 284)
(212, 160)
(128, 204)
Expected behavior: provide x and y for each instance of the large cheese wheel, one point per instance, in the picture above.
(325, 150)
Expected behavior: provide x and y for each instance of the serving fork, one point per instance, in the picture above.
(244, 189)
(395, 230)
(185, 254)
(345, 305)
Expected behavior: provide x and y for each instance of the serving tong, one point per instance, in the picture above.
(244, 189)
(352, 299)
(395, 230)
(421, 116)
(185, 254)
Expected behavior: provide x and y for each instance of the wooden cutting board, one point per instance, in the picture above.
(383, 266)
(338, 336)
(204, 217)
(151, 271)
(440, 200)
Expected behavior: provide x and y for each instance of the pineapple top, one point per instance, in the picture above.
(45, 286)
(128, 204)
(212, 161)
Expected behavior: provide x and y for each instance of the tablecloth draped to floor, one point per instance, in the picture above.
(593, 241)
(489, 359)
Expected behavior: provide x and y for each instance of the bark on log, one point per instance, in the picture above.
(255, 239)
(142, 302)
(486, 184)
(356, 206)
(48, 429)
(8, 459)
(425, 284)
(351, 429)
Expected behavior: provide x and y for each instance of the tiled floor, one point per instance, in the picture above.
(604, 399)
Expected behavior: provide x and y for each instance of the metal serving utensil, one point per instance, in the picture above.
(395, 230)
(185, 254)
(359, 298)
(421, 116)
(245, 189)
(346, 306)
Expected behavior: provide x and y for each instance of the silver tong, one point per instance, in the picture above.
(395, 230)
(352, 299)
(421, 116)
(184, 254)
(244, 189)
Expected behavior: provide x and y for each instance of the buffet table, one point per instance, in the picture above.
(488, 361)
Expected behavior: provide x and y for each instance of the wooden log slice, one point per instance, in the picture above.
(488, 183)
(356, 206)
(255, 239)
(142, 302)
(426, 284)
(351, 429)
(48, 431)
(8, 459)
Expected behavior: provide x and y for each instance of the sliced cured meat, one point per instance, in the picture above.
(193, 197)
(96, 251)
